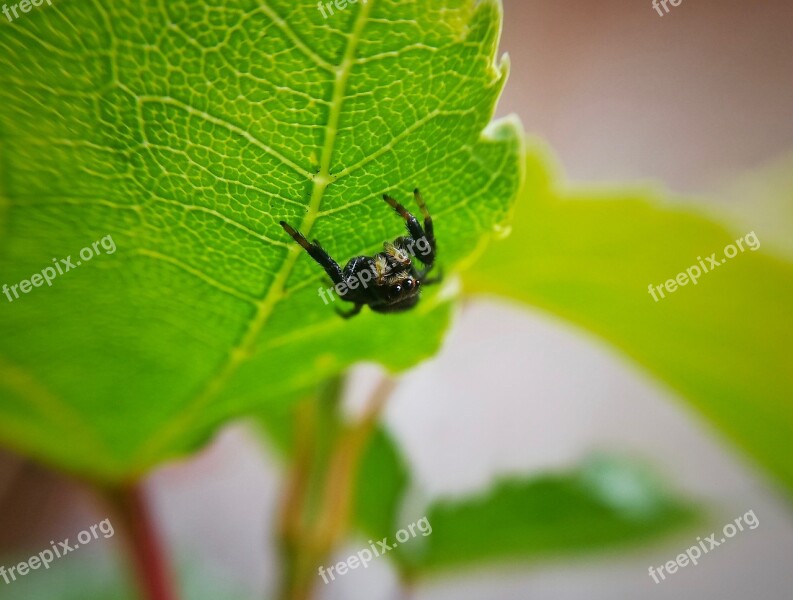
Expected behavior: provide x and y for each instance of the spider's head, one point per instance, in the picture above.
(402, 289)
(398, 295)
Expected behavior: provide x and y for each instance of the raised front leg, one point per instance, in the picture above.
(317, 253)
(421, 242)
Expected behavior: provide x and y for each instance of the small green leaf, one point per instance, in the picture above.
(187, 131)
(725, 344)
(604, 504)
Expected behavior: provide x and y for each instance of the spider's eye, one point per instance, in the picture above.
(396, 290)
(408, 284)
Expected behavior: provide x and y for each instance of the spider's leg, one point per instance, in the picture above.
(414, 228)
(412, 222)
(429, 231)
(436, 279)
(350, 313)
(316, 252)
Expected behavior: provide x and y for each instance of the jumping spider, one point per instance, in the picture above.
(395, 281)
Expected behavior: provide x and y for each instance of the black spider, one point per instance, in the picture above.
(388, 281)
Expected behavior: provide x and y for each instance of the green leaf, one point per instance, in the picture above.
(725, 344)
(604, 504)
(186, 131)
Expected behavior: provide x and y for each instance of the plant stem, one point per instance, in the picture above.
(291, 527)
(154, 575)
(309, 531)
(342, 472)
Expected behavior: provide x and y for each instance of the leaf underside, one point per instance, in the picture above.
(187, 131)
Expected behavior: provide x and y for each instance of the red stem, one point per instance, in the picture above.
(154, 575)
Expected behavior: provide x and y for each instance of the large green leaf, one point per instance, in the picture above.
(186, 131)
(725, 344)
(604, 504)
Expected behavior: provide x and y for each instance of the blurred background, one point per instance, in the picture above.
(697, 99)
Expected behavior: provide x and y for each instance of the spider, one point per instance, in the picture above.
(395, 281)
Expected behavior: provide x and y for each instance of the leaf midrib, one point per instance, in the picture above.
(264, 308)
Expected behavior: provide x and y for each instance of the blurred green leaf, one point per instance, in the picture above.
(187, 131)
(604, 504)
(725, 345)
